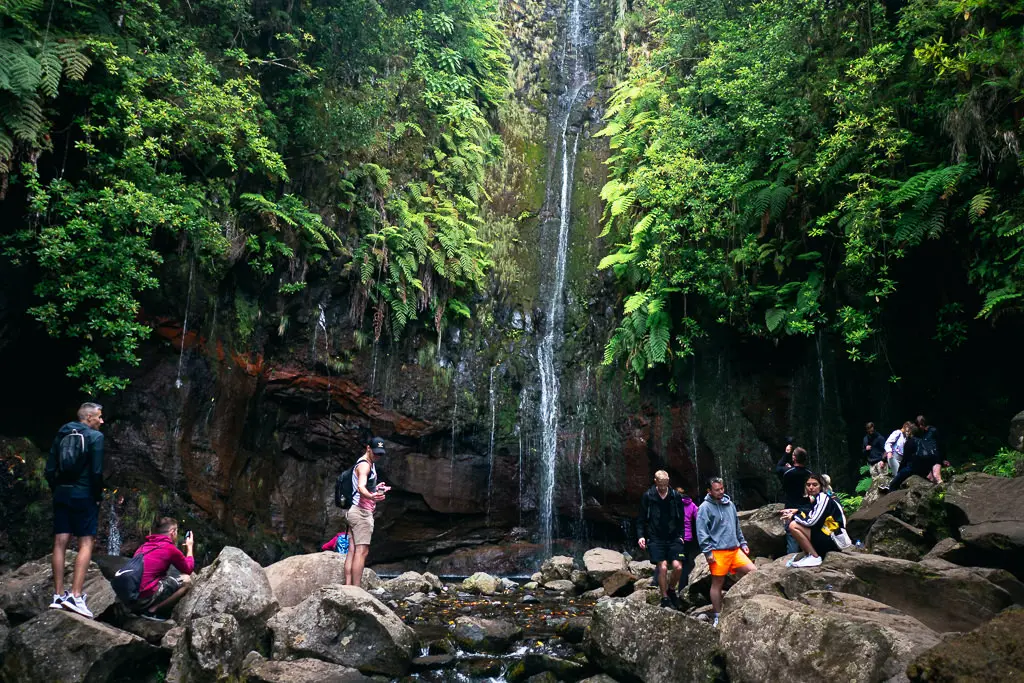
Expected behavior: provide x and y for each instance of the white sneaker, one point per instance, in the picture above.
(809, 561)
(792, 560)
(77, 605)
(58, 601)
(714, 622)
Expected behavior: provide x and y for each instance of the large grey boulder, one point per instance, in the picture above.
(28, 590)
(482, 583)
(601, 563)
(61, 646)
(892, 537)
(404, 585)
(557, 568)
(1016, 438)
(344, 625)
(824, 636)
(257, 669)
(212, 649)
(919, 504)
(5, 629)
(764, 531)
(152, 632)
(234, 584)
(486, 635)
(989, 513)
(954, 599)
(634, 641)
(294, 579)
(992, 652)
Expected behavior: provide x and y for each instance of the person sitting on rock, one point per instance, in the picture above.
(721, 540)
(660, 528)
(337, 544)
(813, 524)
(920, 457)
(160, 589)
(793, 478)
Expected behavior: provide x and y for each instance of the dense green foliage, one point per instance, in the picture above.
(773, 161)
(1005, 463)
(244, 134)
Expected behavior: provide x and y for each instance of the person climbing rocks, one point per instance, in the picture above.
(928, 449)
(74, 472)
(721, 540)
(894, 446)
(793, 479)
(691, 548)
(159, 588)
(660, 531)
(814, 522)
(367, 493)
(920, 457)
(874, 449)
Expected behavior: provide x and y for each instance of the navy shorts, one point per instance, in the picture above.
(661, 551)
(76, 516)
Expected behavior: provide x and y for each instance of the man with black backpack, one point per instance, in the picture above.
(74, 471)
(361, 495)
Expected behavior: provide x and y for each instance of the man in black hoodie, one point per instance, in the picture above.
(793, 479)
(74, 471)
(660, 528)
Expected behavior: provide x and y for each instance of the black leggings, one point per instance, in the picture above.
(908, 469)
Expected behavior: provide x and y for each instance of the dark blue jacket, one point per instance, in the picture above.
(90, 481)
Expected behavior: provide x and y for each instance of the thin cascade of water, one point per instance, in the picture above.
(184, 327)
(490, 447)
(114, 537)
(521, 434)
(576, 78)
(817, 461)
(582, 412)
(451, 474)
(693, 428)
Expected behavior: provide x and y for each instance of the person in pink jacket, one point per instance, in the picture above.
(159, 589)
(690, 545)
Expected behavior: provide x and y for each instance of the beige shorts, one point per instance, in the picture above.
(360, 525)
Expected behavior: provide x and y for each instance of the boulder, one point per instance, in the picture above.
(619, 584)
(834, 635)
(152, 632)
(764, 531)
(649, 596)
(431, 662)
(257, 669)
(601, 563)
(599, 678)
(989, 512)
(234, 584)
(1016, 437)
(580, 579)
(5, 629)
(434, 581)
(536, 663)
(61, 646)
(26, 591)
(634, 641)
(957, 599)
(923, 507)
(556, 568)
(891, 537)
(212, 649)
(949, 550)
(594, 594)
(561, 586)
(481, 583)
(859, 523)
(486, 635)
(370, 580)
(293, 579)
(344, 625)
(642, 569)
(990, 653)
(573, 629)
(406, 584)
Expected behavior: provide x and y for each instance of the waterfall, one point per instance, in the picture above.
(693, 429)
(817, 462)
(574, 71)
(114, 537)
(490, 448)
(184, 327)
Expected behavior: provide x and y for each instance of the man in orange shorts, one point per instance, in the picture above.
(721, 540)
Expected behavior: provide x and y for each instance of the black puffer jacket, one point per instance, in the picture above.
(649, 521)
(90, 481)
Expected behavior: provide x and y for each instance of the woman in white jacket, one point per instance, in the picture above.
(813, 524)
(894, 446)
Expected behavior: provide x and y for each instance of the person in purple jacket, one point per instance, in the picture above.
(690, 545)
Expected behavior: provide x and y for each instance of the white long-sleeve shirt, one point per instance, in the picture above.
(895, 442)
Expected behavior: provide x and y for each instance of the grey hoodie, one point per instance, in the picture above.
(718, 527)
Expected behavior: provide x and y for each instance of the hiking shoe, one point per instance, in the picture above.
(673, 598)
(809, 561)
(77, 605)
(58, 601)
(714, 622)
(152, 616)
(666, 602)
(884, 489)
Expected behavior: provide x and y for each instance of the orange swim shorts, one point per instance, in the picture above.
(728, 561)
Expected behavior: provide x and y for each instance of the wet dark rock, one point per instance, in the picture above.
(950, 550)
(486, 635)
(344, 625)
(5, 629)
(535, 663)
(152, 632)
(990, 653)
(893, 537)
(430, 662)
(989, 512)
(28, 590)
(764, 531)
(213, 648)
(634, 641)
(529, 599)
(574, 630)
(918, 504)
(257, 669)
(39, 650)
(619, 584)
(599, 678)
(543, 677)
(481, 667)
(1016, 437)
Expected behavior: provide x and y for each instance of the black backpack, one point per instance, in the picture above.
(71, 457)
(127, 580)
(344, 492)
